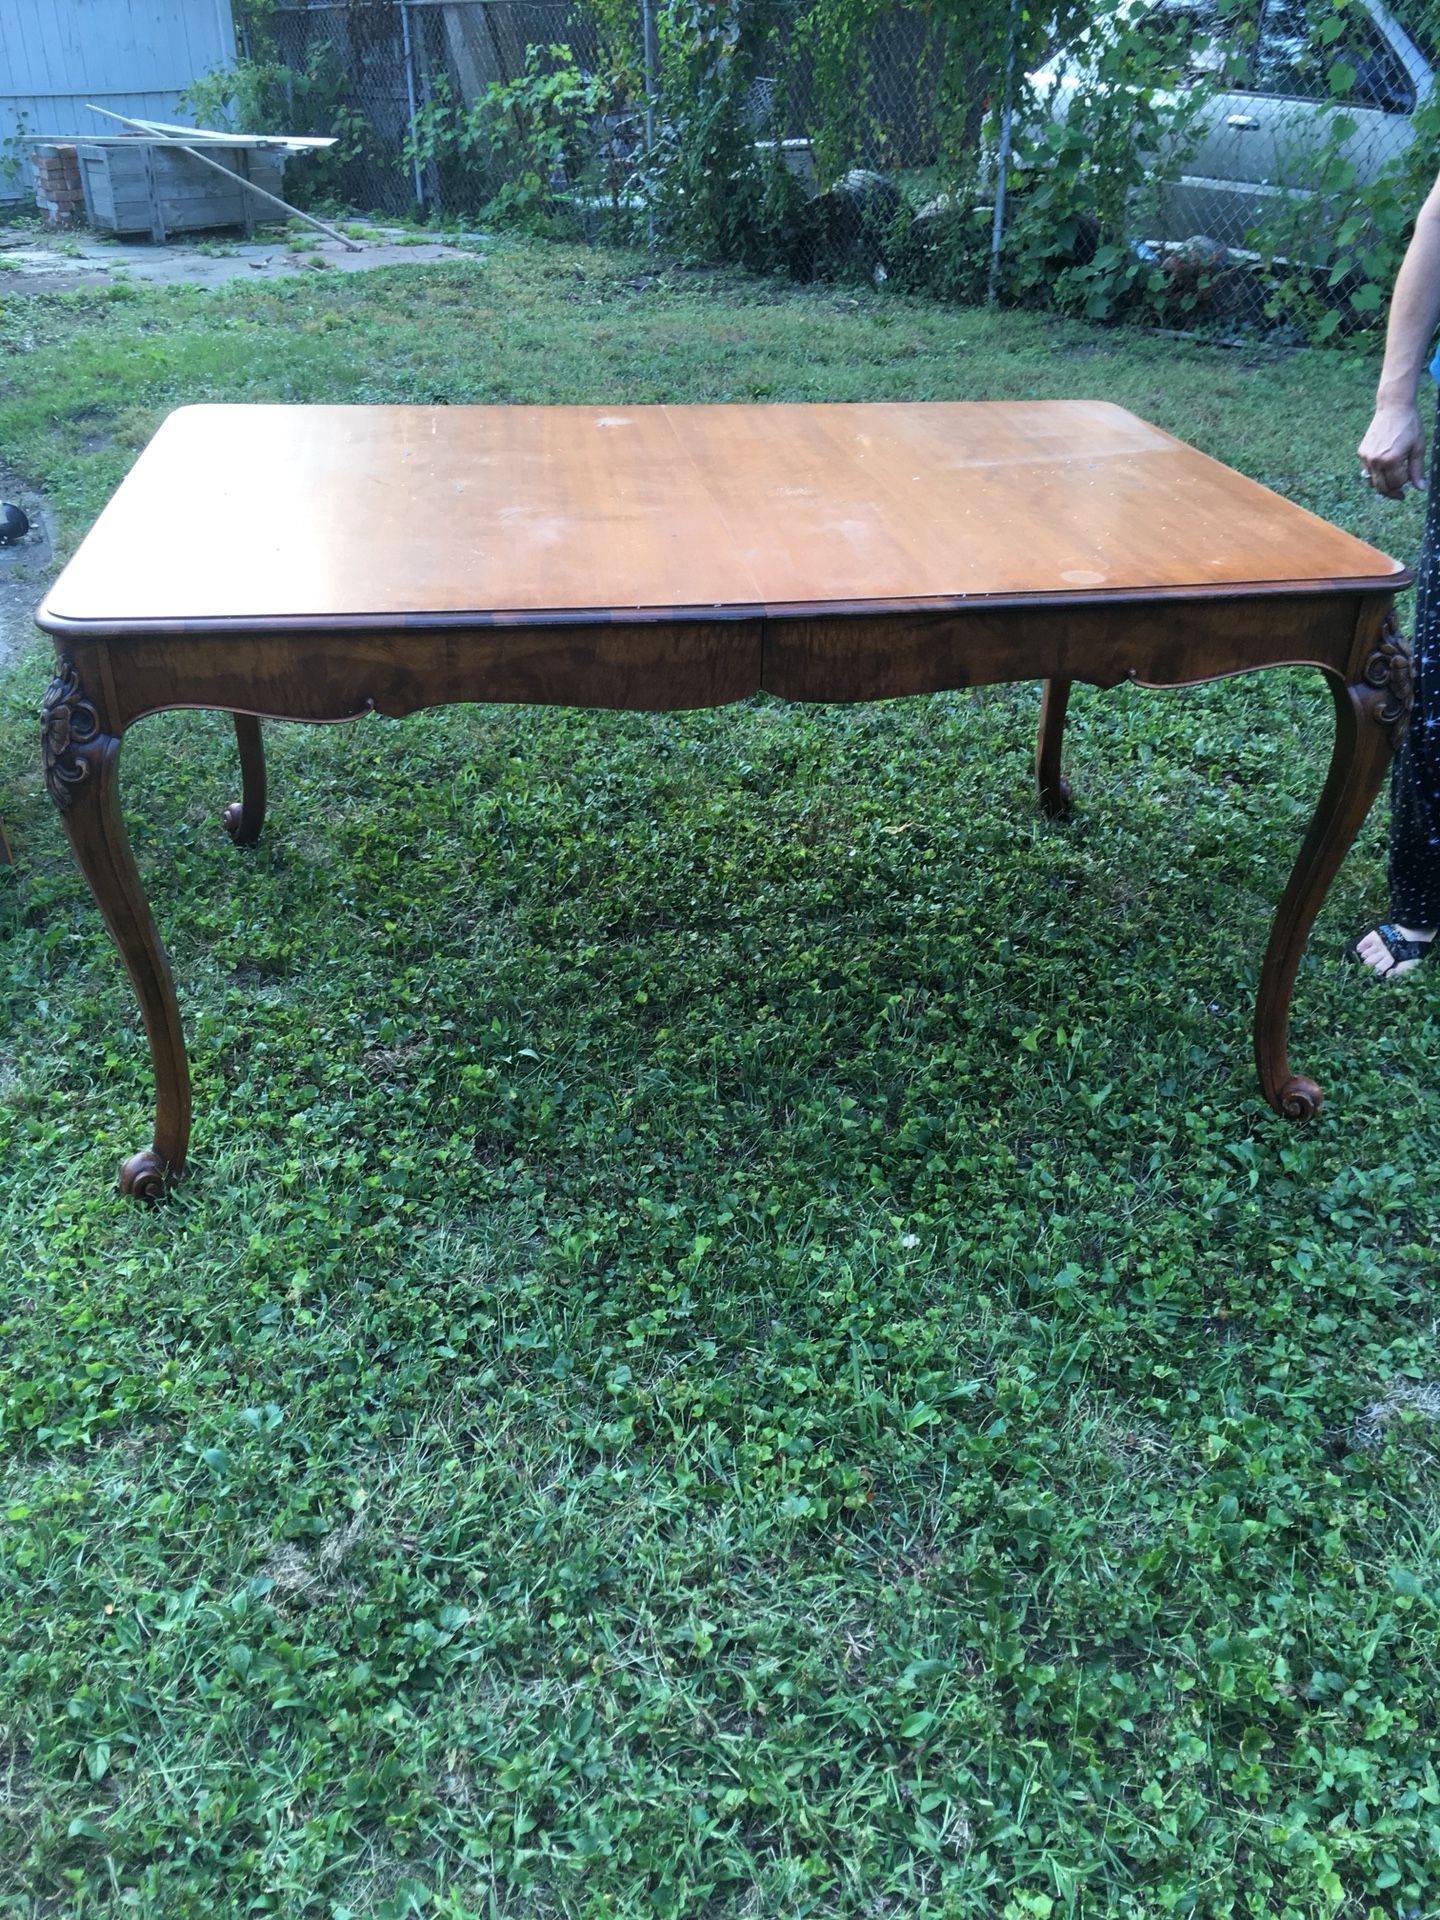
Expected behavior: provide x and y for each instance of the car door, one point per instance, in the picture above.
(1323, 108)
(1209, 176)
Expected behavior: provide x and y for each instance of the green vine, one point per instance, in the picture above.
(892, 117)
(715, 177)
(266, 96)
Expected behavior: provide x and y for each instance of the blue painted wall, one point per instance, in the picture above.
(132, 56)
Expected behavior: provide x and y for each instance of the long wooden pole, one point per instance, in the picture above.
(217, 166)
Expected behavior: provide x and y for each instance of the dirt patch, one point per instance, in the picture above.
(32, 262)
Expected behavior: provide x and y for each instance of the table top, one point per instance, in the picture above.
(253, 518)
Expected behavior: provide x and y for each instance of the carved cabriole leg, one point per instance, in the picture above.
(244, 817)
(1370, 720)
(1053, 789)
(81, 767)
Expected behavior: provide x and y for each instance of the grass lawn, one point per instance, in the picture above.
(738, 1340)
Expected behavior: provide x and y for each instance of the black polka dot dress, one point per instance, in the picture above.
(1415, 777)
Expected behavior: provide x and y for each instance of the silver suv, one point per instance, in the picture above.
(1269, 104)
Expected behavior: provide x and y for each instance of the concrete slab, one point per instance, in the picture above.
(43, 263)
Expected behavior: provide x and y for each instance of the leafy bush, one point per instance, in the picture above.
(1330, 264)
(1088, 181)
(718, 194)
(528, 151)
(15, 152)
(508, 151)
(266, 96)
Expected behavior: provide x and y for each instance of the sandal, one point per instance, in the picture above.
(1400, 950)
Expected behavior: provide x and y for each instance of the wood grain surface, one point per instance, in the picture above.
(243, 519)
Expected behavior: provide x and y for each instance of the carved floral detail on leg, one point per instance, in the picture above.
(70, 736)
(1388, 672)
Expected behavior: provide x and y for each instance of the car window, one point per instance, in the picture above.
(1416, 18)
(1355, 67)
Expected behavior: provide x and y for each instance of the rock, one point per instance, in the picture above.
(1204, 277)
(1201, 249)
(853, 229)
(1193, 266)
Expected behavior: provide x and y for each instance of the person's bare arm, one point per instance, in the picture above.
(1393, 450)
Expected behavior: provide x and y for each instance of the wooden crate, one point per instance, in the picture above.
(135, 186)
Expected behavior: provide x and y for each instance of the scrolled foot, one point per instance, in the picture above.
(144, 1176)
(1299, 1098)
(244, 819)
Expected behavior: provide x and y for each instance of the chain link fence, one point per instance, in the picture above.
(392, 77)
(1202, 151)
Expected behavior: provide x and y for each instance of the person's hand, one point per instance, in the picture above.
(1392, 454)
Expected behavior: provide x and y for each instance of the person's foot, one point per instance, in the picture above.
(1390, 957)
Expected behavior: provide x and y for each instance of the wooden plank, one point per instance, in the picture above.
(157, 215)
(176, 220)
(99, 195)
(183, 194)
(252, 143)
(194, 135)
(187, 219)
(268, 171)
(126, 166)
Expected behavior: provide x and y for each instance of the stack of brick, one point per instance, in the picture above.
(59, 191)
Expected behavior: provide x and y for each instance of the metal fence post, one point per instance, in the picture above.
(410, 101)
(647, 22)
(1002, 161)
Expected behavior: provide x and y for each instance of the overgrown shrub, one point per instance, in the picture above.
(716, 174)
(573, 143)
(1329, 265)
(508, 153)
(266, 96)
(1086, 174)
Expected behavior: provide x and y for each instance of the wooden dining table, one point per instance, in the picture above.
(315, 563)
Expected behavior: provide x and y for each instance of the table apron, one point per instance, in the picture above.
(1157, 642)
(689, 663)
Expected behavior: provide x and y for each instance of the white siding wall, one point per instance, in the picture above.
(132, 56)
